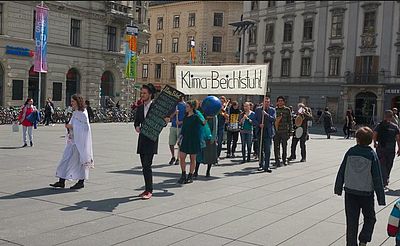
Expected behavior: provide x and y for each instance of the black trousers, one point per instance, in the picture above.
(386, 158)
(280, 138)
(47, 119)
(147, 161)
(232, 137)
(302, 140)
(355, 204)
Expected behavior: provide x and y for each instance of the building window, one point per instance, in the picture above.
(269, 33)
(285, 70)
(158, 71)
(75, 39)
(173, 66)
(308, 29)
(253, 35)
(271, 4)
(159, 46)
(288, 31)
(192, 19)
(217, 44)
(189, 40)
(145, 71)
(289, 2)
(334, 66)
(57, 91)
(175, 44)
(148, 23)
(254, 5)
(146, 47)
(398, 65)
(218, 19)
(111, 38)
(33, 24)
(337, 26)
(160, 23)
(176, 21)
(369, 22)
(366, 67)
(17, 89)
(269, 67)
(305, 66)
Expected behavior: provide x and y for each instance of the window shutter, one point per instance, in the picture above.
(358, 65)
(375, 64)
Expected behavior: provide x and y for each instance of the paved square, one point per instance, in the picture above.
(237, 206)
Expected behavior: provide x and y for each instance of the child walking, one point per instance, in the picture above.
(393, 224)
(361, 175)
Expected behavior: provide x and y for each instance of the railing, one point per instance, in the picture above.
(116, 8)
(365, 78)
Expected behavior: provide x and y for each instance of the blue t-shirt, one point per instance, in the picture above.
(182, 110)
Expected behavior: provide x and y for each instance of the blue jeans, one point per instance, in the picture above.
(246, 142)
(220, 138)
(265, 147)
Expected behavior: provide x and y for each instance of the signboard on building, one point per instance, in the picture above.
(19, 51)
(41, 31)
(230, 79)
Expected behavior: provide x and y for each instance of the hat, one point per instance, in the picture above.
(150, 87)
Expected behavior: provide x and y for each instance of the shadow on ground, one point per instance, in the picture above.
(393, 193)
(37, 193)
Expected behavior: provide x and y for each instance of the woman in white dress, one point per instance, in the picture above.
(78, 152)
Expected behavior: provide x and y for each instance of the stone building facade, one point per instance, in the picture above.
(174, 24)
(339, 54)
(85, 50)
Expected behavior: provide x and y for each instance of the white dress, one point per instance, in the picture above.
(78, 153)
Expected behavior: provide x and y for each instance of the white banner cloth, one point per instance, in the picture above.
(228, 79)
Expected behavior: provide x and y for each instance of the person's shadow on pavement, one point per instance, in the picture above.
(105, 205)
(36, 193)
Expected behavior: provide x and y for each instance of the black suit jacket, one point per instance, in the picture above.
(145, 145)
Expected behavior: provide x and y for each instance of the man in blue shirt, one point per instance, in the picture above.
(174, 131)
(265, 126)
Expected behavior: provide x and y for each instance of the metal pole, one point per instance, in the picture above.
(40, 74)
(260, 149)
(39, 91)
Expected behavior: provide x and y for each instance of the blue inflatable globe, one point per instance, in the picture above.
(211, 105)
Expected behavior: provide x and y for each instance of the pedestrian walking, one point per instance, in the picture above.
(386, 134)
(283, 129)
(48, 111)
(190, 142)
(233, 129)
(246, 131)
(394, 222)
(361, 175)
(301, 132)
(27, 126)
(174, 131)
(349, 124)
(327, 121)
(90, 111)
(396, 120)
(222, 119)
(77, 158)
(264, 120)
(208, 153)
(146, 147)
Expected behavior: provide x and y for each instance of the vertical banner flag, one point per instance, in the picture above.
(131, 52)
(192, 52)
(41, 31)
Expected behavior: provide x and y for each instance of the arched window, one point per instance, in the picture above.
(107, 84)
(72, 85)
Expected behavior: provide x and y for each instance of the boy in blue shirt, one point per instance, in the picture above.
(361, 175)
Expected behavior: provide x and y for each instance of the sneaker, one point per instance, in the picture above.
(58, 185)
(182, 179)
(31, 144)
(189, 179)
(195, 175)
(147, 196)
(233, 156)
(228, 155)
(362, 244)
(208, 174)
(260, 169)
(177, 161)
(142, 194)
(77, 186)
(171, 162)
(291, 158)
(267, 170)
(23, 146)
(303, 160)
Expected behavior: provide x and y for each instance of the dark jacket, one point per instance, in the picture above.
(360, 173)
(269, 128)
(145, 145)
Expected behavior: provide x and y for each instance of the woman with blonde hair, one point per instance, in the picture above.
(78, 152)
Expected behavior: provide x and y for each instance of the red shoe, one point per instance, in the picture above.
(142, 194)
(147, 196)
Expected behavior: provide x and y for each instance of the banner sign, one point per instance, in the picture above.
(131, 52)
(160, 108)
(229, 79)
(19, 51)
(41, 31)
